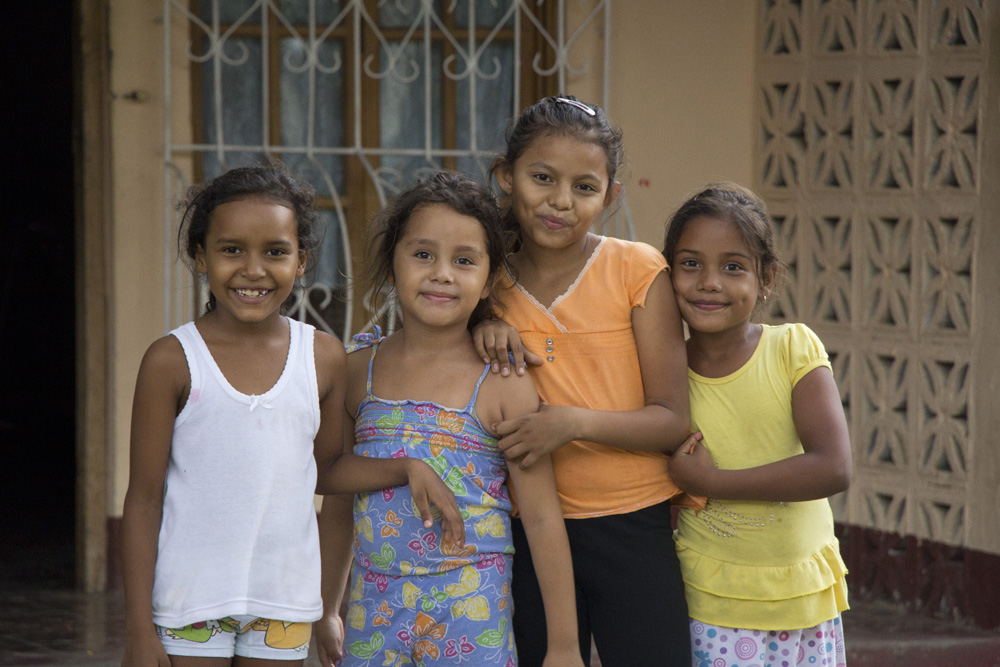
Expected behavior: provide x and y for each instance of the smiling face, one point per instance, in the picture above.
(440, 267)
(558, 187)
(251, 258)
(716, 277)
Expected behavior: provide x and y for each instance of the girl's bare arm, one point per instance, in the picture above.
(347, 473)
(336, 525)
(545, 529)
(336, 532)
(331, 375)
(162, 382)
(822, 470)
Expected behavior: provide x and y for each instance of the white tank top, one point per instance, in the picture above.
(238, 533)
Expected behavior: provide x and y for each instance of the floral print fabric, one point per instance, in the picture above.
(415, 599)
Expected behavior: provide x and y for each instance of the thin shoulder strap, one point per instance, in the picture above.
(471, 407)
(371, 362)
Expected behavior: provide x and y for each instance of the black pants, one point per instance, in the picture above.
(629, 592)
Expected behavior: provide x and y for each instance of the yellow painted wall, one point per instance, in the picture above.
(136, 255)
(682, 91)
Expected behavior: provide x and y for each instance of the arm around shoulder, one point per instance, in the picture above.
(664, 421)
(822, 470)
(659, 339)
(496, 342)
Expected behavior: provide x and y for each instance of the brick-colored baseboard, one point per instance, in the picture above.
(926, 577)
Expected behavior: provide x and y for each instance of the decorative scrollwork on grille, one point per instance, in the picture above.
(295, 79)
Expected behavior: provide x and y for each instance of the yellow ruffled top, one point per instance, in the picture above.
(800, 594)
(753, 564)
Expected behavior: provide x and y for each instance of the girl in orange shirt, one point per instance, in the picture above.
(613, 381)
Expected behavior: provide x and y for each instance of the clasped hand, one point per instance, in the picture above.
(530, 437)
(692, 467)
(426, 489)
(329, 639)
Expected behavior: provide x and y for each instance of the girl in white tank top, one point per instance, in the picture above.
(233, 415)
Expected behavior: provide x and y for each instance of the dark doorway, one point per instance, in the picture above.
(37, 311)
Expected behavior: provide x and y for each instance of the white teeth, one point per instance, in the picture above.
(251, 293)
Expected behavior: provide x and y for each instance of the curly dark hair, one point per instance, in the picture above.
(560, 115)
(270, 181)
(464, 196)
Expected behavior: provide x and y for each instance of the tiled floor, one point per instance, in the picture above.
(46, 628)
(58, 628)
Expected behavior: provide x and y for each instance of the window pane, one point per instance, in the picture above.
(297, 11)
(230, 11)
(325, 286)
(239, 120)
(488, 13)
(494, 102)
(404, 109)
(325, 171)
(402, 13)
(330, 253)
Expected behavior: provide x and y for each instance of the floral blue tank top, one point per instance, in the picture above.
(390, 538)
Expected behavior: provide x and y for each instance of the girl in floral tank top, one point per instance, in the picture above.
(391, 540)
(431, 575)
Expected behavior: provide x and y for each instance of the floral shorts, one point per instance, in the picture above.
(246, 636)
(458, 617)
(819, 646)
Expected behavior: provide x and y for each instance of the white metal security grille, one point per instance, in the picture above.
(319, 55)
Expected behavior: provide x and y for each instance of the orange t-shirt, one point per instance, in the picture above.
(592, 362)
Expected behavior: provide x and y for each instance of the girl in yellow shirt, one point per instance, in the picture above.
(762, 570)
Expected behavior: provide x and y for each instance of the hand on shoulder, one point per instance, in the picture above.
(496, 342)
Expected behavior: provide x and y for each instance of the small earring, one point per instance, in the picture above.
(765, 298)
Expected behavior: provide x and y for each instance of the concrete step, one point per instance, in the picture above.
(881, 634)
